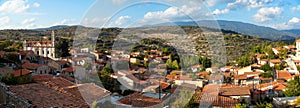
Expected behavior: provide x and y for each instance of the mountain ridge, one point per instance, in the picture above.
(239, 27)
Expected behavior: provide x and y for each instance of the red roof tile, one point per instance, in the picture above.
(282, 74)
(17, 73)
(234, 91)
(139, 100)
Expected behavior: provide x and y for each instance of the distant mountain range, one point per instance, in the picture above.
(239, 27)
(294, 31)
(52, 27)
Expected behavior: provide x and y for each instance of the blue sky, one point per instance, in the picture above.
(28, 14)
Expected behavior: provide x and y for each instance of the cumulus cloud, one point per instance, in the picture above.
(94, 22)
(122, 20)
(293, 23)
(14, 6)
(297, 8)
(65, 22)
(172, 12)
(218, 12)
(4, 20)
(294, 20)
(236, 4)
(29, 23)
(250, 4)
(267, 14)
(17, 6)
(211, 3)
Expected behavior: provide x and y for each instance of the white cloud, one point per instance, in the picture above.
(172, 12)
(122, 20)
(36, 4)
(17, 7)
(297, 8)
(218, 12)
(14, 6)
(294, 20)
(250, 4)
(94, 22)
(29, 23)
(211, 3)
(65, 22)
(4, 20)
(267, 14)
(293, 23)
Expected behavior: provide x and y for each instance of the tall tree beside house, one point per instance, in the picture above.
(243, 61)
(12, 57)
(169, 63)
(175, 65)
(5, 44)
(266, 67)
(293, 87)
(205, 62)
(280, 66)
(282, 53)
(268, 50)
(62, 48)
(268, 74)
(257, 49)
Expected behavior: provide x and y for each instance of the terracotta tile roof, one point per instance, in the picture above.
(17, 73)
(282, 74)
(139, 100)
(277, 48)
(25, 52)
(41, 77)
(71, 69)
(177, 72)
(240, 77)
(296, 61)
(170, 77)
(234, 91)
(90, 92)
(259, 55)
(159, 70)
(51, 93)
(219, 101)
(165, 57)
(215, 77)
(275, 61)
(30, 66)
(164, 85)
(203, 73)
(264, 60)
(185, 77)
(263, 79)
(275, 85)
(196, 66)
(290, 46)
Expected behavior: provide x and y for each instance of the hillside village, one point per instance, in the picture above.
(145, 77)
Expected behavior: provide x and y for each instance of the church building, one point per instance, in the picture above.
(42, 48)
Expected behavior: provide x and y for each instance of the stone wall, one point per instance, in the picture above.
(9, 99)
